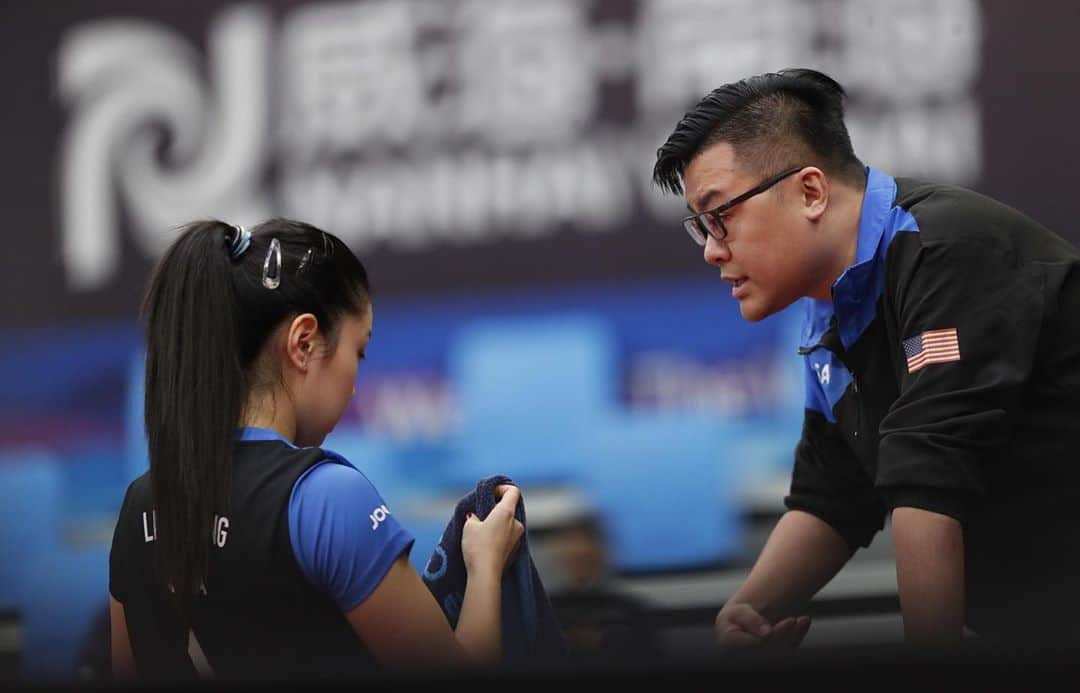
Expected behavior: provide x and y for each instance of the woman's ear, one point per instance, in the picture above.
(301, 339)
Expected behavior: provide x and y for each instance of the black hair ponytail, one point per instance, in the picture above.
(195, 390)
(208, 313)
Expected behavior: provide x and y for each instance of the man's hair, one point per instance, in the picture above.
(773, 121)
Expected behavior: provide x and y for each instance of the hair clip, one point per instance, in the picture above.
(327, 246)
(272, 279)
(305, 261)
(239, 241)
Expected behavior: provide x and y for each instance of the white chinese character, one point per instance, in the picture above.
(687, 48)
(351, 78)
(525, 71)
(906, 50)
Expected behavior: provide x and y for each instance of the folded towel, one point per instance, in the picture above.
(530, 630)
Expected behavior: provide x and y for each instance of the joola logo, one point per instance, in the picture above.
(378, 516)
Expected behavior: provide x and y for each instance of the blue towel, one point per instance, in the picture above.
(530, 631)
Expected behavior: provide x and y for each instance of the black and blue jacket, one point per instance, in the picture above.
(945, 375)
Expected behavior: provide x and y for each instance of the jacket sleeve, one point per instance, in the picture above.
(965, 323)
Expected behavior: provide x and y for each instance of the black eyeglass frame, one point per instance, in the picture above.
(697, 225)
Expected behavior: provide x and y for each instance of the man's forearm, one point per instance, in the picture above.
(802, 554)
(929, 575)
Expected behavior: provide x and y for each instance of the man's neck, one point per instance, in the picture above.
(842, 232)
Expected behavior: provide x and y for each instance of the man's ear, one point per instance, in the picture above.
(813, 192)
(301, 339)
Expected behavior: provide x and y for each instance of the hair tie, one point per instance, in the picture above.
(239, 241)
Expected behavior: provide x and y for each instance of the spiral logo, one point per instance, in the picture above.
(148, 133)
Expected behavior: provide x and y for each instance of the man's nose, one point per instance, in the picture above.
(716, 252)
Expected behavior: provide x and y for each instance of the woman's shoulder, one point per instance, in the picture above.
(333, 478)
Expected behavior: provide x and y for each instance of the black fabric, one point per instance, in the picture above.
(158, 641)
(260, 618)
(992, 439)
(829, 481)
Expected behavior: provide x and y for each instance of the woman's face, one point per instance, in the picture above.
(331, 379)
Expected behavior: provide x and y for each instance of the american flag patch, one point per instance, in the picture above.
(932, 346)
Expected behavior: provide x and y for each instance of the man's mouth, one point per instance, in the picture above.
(738, 290)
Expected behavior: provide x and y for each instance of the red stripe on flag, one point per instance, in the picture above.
(938, 346)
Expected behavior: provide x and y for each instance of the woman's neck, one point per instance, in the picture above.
(270, 410)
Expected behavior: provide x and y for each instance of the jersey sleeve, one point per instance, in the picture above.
(967, 320)
(343, 534)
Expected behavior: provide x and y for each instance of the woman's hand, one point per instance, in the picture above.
(488, 545)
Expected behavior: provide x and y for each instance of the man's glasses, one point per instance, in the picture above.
(710, 222)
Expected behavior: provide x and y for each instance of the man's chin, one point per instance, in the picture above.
(753, 313)
(756, 311)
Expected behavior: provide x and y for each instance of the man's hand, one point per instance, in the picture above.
(802, 554)
(740, 625)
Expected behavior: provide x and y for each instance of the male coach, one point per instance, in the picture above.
(941, 340)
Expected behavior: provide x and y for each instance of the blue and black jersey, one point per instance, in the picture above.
(945, 375)
(305, 540)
